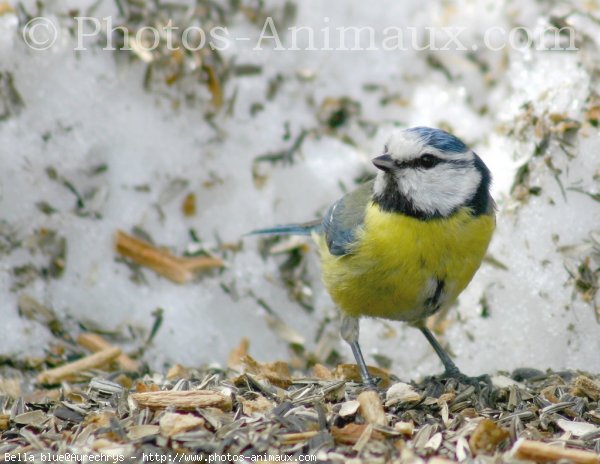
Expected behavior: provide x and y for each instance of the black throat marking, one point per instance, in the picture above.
(391, 200)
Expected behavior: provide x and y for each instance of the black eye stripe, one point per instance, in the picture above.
(425, 161)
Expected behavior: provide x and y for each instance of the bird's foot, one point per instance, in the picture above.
(371, 383)
(477, 382)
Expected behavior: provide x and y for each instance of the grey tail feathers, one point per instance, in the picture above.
(305, 228)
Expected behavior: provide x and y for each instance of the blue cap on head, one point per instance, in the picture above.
(439, 139)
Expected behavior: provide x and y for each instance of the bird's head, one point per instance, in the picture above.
(429, 173)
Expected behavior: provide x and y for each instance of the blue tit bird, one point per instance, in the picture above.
(405, 245)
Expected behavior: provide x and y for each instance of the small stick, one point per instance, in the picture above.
(185, 400)
(371, 408)
(174, 268)
(236, 356)
(66, 371)
(364, 438)
(541, 452)
(321, 372)
(299, 437)
(95, 343)
(351, 433)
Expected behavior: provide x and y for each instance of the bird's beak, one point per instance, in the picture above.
(383, 162)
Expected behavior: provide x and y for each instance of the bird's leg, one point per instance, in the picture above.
(450, 369)
(349, 332)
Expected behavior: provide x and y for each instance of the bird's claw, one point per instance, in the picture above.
(371, 383)
(467, 380)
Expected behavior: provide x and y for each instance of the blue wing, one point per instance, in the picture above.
(339, 225)
(344, 218)
(305, 228)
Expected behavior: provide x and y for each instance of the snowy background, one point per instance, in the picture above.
(93, 141)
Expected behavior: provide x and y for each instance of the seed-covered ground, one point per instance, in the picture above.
(74, 406)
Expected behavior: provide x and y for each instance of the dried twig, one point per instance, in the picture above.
(300, 437)
(177, 269)
(350, 434)
(95, 343)
(542, 452)
(182, 400)
(70, 370)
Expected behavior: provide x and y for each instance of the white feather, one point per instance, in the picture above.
(439, 190)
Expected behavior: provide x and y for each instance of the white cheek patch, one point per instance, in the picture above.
(380, 183)
(441, 189)
(438, 191)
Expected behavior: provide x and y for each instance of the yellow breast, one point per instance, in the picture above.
(403, 268)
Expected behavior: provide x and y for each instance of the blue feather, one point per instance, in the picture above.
(344, 218)
(339, 225)
(306, 228)
(439, 139)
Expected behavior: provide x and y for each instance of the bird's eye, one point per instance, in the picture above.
(428, 161)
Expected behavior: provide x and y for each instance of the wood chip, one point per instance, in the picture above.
(100, 419)
(172, 423)
(138, 432)
(294, 438)
(4, 422)
(276, 373)
(260, 405)
(236, 356)
(584, 386)
(182, 400)
(177, 371)
(487, 437)
(141, 387)
(543, 452)
(351, 372)
(322, 372)
(95, 343)
(176, 269)
(371, 408)
(10, 387)
(469, 413)
(351, 433)
(68, 371)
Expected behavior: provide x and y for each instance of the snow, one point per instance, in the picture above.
(88, 108)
